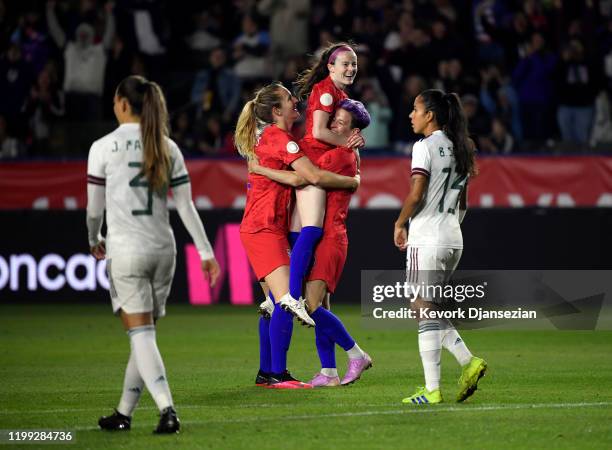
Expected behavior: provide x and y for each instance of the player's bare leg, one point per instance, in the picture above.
(310, 206)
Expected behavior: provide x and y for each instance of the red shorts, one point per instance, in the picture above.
(266, 251)
(329, 259)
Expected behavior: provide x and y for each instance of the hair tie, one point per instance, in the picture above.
(335, 53)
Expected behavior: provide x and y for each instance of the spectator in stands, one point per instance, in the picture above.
(44, 106)
(498, 98)
(205, 36)
(212, 140)
(339, 20)
(148, 34)
(10, 147)
(533, 79)
(16, 77)
(578, 83)
(251, 51)
(479, 123)
(182, 133)
(32, 40)
(403, 135)
(499, 141)
(84, 64)
(288, 30)
(216, 90)
(118, 67)
(377, 134)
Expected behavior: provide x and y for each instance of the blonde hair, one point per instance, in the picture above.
(148, 102)
(257, 111)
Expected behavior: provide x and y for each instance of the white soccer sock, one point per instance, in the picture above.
(333, 372)
(454, 344)
(150, 364)
(132, 388)
(430, 347)
(355, 352)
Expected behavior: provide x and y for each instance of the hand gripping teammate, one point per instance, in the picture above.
(330, 255)
(265, 224)
(325, 84)
(442, 163)
(129, 172)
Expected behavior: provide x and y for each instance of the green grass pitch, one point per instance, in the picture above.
(62, 367)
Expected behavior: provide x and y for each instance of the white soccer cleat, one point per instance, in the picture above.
(297, 308)
(266, 308)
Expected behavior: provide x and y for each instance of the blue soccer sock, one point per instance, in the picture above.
(281, 328)
(333, 327)
(265, 352)
(300, 258)
(293, 237)
(326, 348)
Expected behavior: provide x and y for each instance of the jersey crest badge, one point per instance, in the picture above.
(292, 147)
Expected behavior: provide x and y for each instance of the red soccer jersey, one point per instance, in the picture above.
(340, 160)
(324, 96)
(268, 202)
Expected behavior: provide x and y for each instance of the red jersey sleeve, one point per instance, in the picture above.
(288, 149)
(323, 98)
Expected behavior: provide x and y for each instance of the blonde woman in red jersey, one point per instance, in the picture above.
(265, 224)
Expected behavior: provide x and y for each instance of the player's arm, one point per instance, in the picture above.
(96, 201)
(280, 176)
(323, 178)
(321, 132)
(463, 203)
(418, 186)
(190, 218)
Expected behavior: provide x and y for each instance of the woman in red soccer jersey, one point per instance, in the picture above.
(265, 224)
(324, 84)
(330, 256)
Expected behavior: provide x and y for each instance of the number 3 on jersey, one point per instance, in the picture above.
(458, 184)
(139, 181)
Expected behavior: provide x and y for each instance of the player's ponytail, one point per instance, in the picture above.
(256, 112)
(457, 131)
(318, 71)
(450, 117)
(148, 103)
(245, 137)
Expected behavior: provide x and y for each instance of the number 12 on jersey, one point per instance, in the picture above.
(458, 183)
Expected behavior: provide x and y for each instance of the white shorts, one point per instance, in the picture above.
(431, 266)
(140, 283)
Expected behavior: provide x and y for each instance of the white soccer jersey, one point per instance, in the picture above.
(137, 219)
(436, 223)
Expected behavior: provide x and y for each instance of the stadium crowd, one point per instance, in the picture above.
(533, 75)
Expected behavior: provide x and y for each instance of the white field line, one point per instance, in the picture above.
(409, 409)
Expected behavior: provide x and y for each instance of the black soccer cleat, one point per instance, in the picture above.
(262, 378)
(286, 376)
(115, 422)
(168, 422)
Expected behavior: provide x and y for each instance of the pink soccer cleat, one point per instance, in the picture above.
(355, 368)
(321, 380)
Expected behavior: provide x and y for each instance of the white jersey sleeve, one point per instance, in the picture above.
(421, 159)
(181, 190)
(96, 185)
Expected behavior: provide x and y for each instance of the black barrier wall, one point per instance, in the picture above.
(43, 254)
